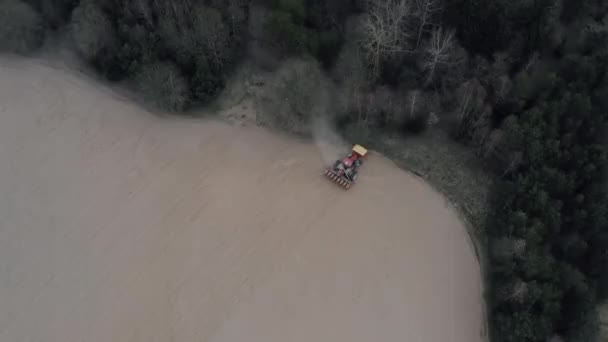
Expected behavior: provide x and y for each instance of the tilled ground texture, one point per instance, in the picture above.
(118, 225)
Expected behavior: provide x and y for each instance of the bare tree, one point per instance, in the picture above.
(351, 71)
(212, 33)
(480, 126)
(177, 11)
(163, 85)
(385, 30)
(174, 27)
(492, 142)
(194, 31)
(472, 114)
(516, 291)
(508, 248)
(236, 13)
(501, 86)
(510, 151)
(514, 161)
(412, 103)
(532, 62)
(425, 11)
(21, 30)
(472, 98)
(439, 51)
(387, 107)
(555, 338)
(143, 10)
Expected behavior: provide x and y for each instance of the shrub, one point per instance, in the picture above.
(91, 30)
(55, 13)
(416, 124)
(163, 85)
(288, 36)
(417, 112)
(194, 32)
(207, 81)
(329, 43)
(296, 8)
(297, 93)
(21, 29)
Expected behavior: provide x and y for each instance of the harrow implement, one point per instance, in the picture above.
(336, 178)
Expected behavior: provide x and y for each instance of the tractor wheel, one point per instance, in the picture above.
(358, 162)
(336, 164)
(354, 175)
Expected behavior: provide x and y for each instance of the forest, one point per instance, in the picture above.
(523, 84)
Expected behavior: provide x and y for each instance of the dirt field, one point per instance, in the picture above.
(117, 225)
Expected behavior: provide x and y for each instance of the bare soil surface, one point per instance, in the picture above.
(119, 225)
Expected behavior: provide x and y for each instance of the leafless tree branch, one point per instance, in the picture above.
(439, 51)
(385, 30)
(425, 10)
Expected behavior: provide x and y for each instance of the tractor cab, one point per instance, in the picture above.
(359, 150)
(355, 157)
(348, 161)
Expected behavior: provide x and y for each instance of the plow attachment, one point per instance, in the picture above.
(338, 179)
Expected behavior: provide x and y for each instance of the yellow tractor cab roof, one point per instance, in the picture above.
(360, 150)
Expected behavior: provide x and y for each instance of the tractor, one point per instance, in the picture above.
(345, 171)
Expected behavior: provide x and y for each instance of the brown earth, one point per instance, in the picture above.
(118, 225)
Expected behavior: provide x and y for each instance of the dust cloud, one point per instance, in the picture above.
(330, 143)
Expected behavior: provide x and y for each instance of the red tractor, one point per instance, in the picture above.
(344, 172)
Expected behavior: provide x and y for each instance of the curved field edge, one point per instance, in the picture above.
(448, 168)
(471, 264)
(457, 175)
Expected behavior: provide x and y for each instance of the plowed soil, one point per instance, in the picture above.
(119, 225)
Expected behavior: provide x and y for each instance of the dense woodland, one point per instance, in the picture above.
(523, 83)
